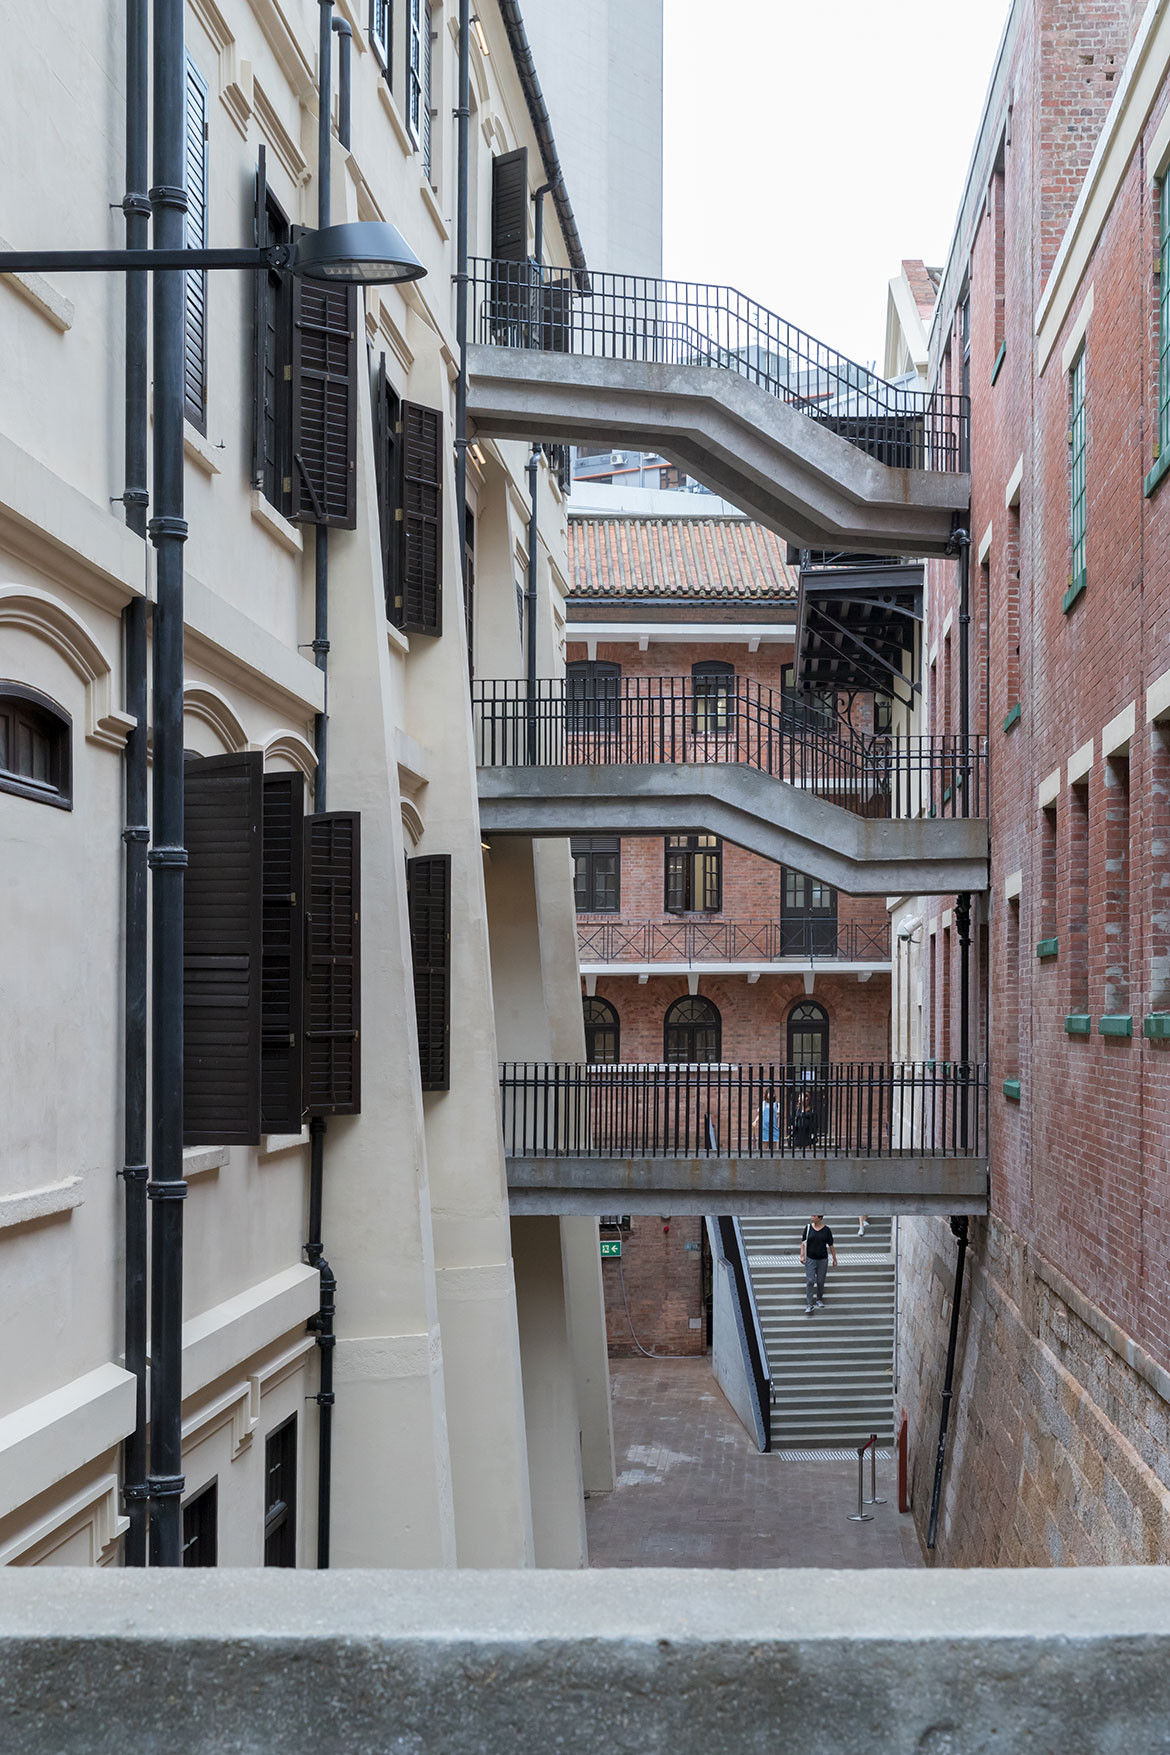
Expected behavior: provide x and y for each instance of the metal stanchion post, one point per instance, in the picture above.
(861, 1515)
(873, 1492)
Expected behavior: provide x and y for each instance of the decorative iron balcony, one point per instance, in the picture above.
(627, 720)
(614, 940)
(859, 1109)
(685, 323)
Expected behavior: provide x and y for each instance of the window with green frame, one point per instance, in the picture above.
(1077, 497)
(1164, 320)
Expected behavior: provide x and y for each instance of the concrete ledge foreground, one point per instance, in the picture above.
(1062, 1662)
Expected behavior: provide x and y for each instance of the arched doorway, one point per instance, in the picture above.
(808, 1036)
(602, 1031)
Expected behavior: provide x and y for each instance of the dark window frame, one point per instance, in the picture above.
(808, 1012)
(809, 709)
(280, 1513)
(713, 698)
(21, 705)
(681, 1033)
(808, 925)
(272, 463)
(693, 874)
(195, 238)
(605, 1024)
(585, 854)
(381, 34)
(201, 1526)
(593, 688)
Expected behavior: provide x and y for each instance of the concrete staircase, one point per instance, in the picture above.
(832, 1373)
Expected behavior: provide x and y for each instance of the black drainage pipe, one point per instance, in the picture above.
(136, 833)
(959, 1227)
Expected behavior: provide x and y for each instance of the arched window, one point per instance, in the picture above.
(693, 1031)
(592, 694)
(602, 1031)
(713, 690)
(36, 738)
(808, 1036)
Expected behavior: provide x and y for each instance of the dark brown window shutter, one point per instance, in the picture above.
(333, 964)
(324, 403)
(428, 884)
(510, 206)
(282, 982)
(420, 610)
(221, 950)
(195, 339)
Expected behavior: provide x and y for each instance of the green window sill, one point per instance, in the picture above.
(1012, 718)
(1047, 948)
(1157, 1027)
(1075, 591)
(1157, 472)
(1011, 1088)
(1116, 1024)
(999, 359)
(1078, 1024)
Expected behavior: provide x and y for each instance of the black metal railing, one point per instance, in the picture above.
(859, 1109)
(679, 322)
(613, 940)
(609, 721)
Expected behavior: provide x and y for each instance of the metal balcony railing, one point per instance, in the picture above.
(619, 721)
(613, 940)
(860, 1109)
(679, 322)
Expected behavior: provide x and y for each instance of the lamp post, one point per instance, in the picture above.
(365, 253)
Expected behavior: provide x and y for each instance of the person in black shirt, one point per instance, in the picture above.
(816, 1246)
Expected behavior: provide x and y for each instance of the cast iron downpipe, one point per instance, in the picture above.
(530, 598)
(136, 834)
(322, 1323)
(959, 1227)
(462, 144)
(344, 44)
(167, 1189)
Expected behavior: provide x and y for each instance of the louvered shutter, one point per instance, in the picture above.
(428, 57)
(385, 454)
(222, 826)
(324, 403)
(332, 964)
(428, 883)
(282, 977)
(418, 603)
(510, 206)
(195, 344)
(261, 302)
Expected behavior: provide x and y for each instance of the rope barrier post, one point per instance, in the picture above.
(873, 1492)
(861, 1515)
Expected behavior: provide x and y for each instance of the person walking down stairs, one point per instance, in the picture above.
(816, 1246)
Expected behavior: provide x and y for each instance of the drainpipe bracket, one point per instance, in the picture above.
(164, 857)
(167, 1189)
(161, 527)
(134, 1172)
(133, 203)
(136, 833)
(165, 1486)
(135, 1492)
(169, 195)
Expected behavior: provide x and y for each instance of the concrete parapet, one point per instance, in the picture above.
(630, 1663)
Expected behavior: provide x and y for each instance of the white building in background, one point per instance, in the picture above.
(470, 1381)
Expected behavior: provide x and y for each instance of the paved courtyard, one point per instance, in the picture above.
(693, 1490)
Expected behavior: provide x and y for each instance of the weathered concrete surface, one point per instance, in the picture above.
(656, 1662)
(780, 467)
(748, 1186)
(866, 856)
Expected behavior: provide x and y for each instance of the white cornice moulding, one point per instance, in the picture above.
(50, 1438)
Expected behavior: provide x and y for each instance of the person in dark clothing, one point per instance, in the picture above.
(816, 1246)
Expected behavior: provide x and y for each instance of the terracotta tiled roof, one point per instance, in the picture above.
(728, 558)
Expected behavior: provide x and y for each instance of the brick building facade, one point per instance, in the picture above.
(1052, 310)
(782, 969)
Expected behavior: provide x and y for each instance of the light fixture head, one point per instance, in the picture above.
(480, 38)
(366, 252)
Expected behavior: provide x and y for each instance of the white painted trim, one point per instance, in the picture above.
(40, 1203)
(202, 1160)
(682, 633)
(1079, 763)
(1049, 790)
(1141, 81)
(984, 548)
(1012, 886)
(948, 623)
(287, 534)
(947, 919)
(1011, 493)
(45, 616)
(95, 1506)
(295, 748)
(1158, 693)
(1115, 738)
(217, 1341)
(200, 451)
(50, 1438)
(1076, 335)
(214, 709)
(790, 966)
(1158, 158)
(271, 1143)
(44, 298)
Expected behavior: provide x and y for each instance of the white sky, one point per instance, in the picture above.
(815, 143)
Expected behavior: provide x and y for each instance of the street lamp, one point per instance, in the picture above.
(367, 252)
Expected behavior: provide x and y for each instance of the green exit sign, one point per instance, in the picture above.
(611, 1246)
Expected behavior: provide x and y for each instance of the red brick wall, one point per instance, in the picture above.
(662, 1264)
(755, 1017)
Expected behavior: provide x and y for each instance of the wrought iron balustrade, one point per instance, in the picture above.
(858, 1109)
(624, 720)
(678, 322)
(613, 940)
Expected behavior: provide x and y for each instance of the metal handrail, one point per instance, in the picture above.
(677, 322)
(606, 721)
(857, 1109)
(610, 939)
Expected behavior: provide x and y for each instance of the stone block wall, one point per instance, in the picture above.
(1058, 1449)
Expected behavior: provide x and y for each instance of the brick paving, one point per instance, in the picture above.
(692, 1489)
